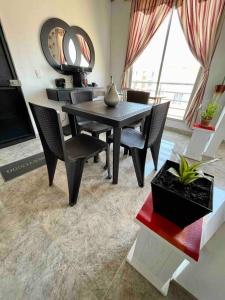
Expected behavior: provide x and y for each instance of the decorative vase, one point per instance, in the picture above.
(178, 203)
(205, 122)
(112, 98)
(220, 88)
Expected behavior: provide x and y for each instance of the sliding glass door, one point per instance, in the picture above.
(167, 67)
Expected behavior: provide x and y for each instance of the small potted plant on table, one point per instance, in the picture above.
(182, 193)
(208, 113)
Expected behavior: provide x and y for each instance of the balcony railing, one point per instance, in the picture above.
(177, 93)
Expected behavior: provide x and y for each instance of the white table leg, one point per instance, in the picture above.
(198, 143)
(160, 262)
(217, 138)
(155, 259)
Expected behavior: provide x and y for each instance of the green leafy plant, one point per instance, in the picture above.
(188, 173)
(210, 110)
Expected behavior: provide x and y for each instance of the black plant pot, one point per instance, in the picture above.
(181, 204)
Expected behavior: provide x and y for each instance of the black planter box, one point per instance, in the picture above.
(181, 204)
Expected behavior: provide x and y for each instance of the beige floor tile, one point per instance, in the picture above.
(49, 250)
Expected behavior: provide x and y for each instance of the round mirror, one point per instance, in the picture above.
(71, 50)
(55, 44)
(65, 45)
(84, 47)
(85, 51)
(52, 35)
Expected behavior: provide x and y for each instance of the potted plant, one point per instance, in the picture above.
(208, 113)
(181, 192)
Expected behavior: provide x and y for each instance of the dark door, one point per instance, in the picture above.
(15, 123)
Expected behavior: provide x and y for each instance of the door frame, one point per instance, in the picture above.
(14, 75)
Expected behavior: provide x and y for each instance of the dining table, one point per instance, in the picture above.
(123, 114)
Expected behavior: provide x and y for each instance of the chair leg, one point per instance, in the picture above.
(74, 175)
(51, 162)
(108, 133)
(125, 151)
(155, 153)
(96, 158)
(142, 125)
(107, 159)
(107, 164)
(139, 157)
(78, 129)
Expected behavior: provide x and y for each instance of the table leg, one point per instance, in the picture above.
(116, 153)
(156, 260)
(72, 124)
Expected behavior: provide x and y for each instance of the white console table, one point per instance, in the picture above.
(159, 260)
(198, 143)
(216, 139)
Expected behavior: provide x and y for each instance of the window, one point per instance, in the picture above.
(167, 67)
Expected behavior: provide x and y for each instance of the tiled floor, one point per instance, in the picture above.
(49, 250)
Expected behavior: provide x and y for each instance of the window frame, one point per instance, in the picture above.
(161, 68)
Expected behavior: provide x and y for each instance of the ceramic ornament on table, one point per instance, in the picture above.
(112, 97)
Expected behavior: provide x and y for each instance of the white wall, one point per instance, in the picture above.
(22, 21)
(217, 70)
(120, 16)
(106, 23)
(119, 33)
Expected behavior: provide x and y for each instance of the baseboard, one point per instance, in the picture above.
(178, 130)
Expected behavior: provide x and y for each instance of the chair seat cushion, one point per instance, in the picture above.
(131, 138)
(92, 126)
(83, 146)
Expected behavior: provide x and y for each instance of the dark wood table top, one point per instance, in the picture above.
(123, 113)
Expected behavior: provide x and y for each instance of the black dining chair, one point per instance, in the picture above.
(74, 152)
(136, 97)
(138, 142)
(83, 124)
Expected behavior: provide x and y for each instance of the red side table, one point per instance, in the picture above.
(187, 240)
(162, 250)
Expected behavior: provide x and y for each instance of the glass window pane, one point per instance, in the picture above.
(145, 70)
(180, 69)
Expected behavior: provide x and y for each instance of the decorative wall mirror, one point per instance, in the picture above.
(52, 35)
(64, 45)
(78, 37)
(55, 44)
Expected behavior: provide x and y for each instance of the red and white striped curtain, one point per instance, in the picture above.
(84, 48)
(59, 32)
(200, 21)
(146, 17)
(55, 41)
